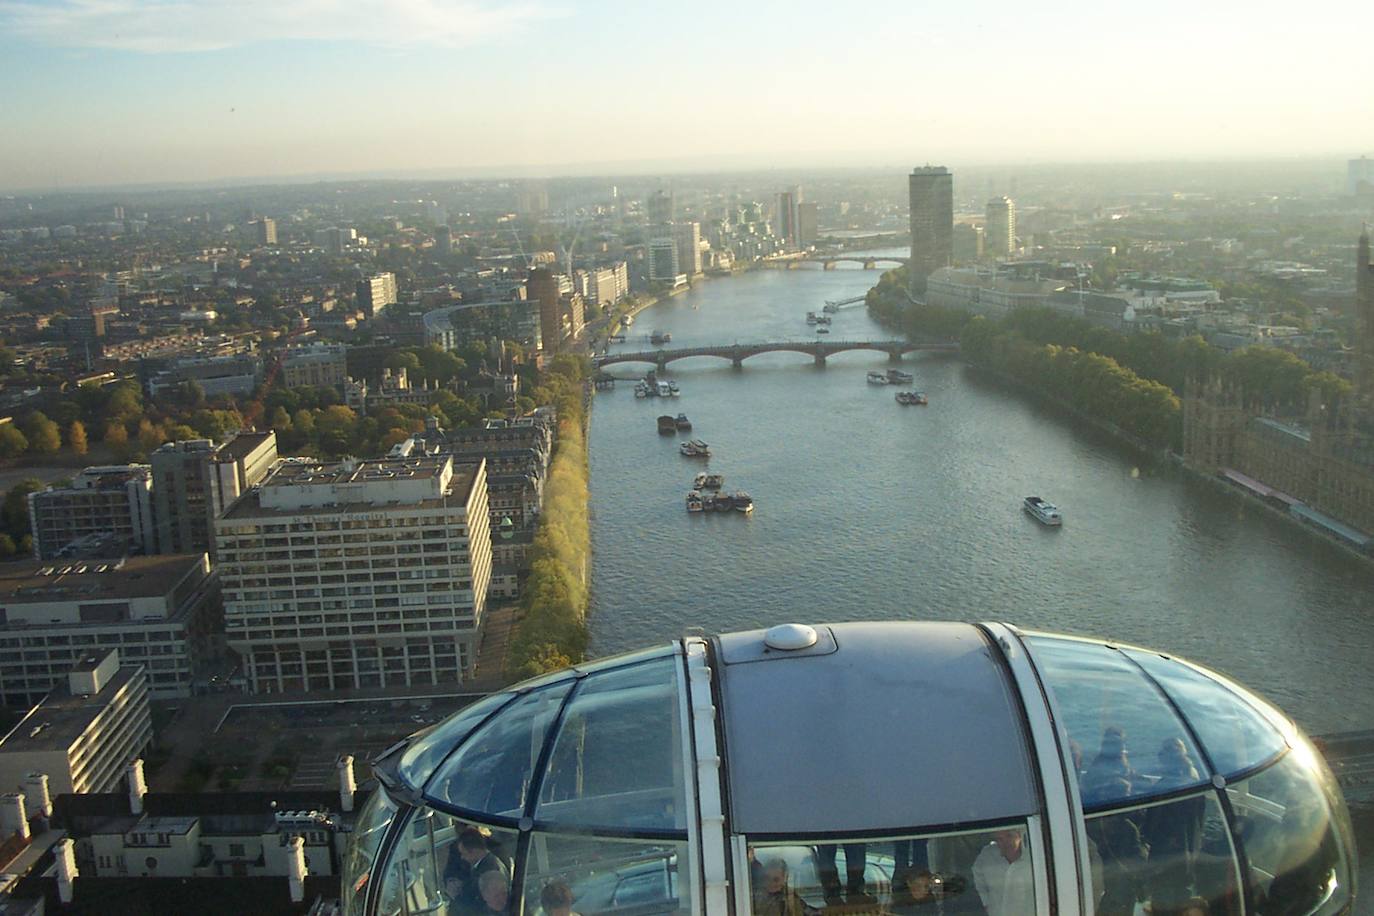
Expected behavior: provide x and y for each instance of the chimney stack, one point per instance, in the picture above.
(295, 868)
(36, 788)
(347, 785)
(137, 787)
(66, 869)
(12, 817)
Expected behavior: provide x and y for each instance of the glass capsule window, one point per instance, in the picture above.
(426, 752)
(1235, 735)
(1173, 856)
(1128, 743)
(568, 874)
(993, 872)
(490, 772)
(617, 761)
(1297, 849)
(443, 864)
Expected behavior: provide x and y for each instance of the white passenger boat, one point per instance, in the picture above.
(664, 391)
(877, 378)
(1046, 513)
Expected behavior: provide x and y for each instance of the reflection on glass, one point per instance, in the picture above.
(373, 820)
(1128, 742)
(1174, 859)
(989, 873)
(1235, 734)
(420, 759)
(617, 759)
(444, 865)
(567, 875)
(491, 771)
(1299, 855)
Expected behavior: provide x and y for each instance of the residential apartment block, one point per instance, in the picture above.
(113, 502)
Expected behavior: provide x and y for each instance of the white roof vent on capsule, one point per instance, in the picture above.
(789, 637)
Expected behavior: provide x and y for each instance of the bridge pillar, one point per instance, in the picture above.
(894, 356)
(829, 265)
(662, 363)
(820, 357)
(737, 362)
(870, 264)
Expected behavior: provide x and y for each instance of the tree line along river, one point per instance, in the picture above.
(870, 510)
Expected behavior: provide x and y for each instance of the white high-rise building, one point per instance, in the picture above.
(358, 575)
(999, 236)
(1359, 176)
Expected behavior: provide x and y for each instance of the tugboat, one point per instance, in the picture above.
(1045, 513)
(821, 329)
(823, 319)
(877, 378)
(666, 425)
(897, 376)
(641, 390)
(694, 503)
(911, 397)
(673, 389)
(811, 318)
(660, 337)
(700, 482)
(683, 424)
(743, 502)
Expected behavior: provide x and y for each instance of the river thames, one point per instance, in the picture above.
(870, 510)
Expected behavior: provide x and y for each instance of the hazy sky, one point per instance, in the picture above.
(114, 91)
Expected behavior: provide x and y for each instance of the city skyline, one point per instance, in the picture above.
(126, 92)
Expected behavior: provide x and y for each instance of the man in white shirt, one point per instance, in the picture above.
(1002, 873)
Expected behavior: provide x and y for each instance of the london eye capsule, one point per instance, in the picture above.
(865, 767)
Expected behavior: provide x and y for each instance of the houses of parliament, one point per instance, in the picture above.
(1318, 465)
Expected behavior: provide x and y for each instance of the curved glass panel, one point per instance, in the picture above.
(420, 759)
(1298, 852)
(589, 876)
(444, 865)
(360, 859)
(491, 771)
(1235, 735)
(617, 759)
(990, 872)
(1171, 857)
(1128, 742)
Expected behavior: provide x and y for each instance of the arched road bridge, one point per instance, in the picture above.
(818, 350)
(828, 261)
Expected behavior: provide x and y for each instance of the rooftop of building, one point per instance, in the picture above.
(262, 896)
(63, 717)
(243, 445)
(307, 473)
(129, 577)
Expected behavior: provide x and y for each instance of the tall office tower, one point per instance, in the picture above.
(332, 239)
(436, 213)
(267, 231)
(786, 227)
(375, 293)
(687, 237)
(194, 481)
(378, 573)
(808, 224)
(660, 208)
(1359, 176)
(1001, 227)
(663, 263)
(443, 239)
(543, 288)
(932, 222)
(118, 212)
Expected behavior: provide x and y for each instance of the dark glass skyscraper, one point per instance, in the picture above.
(932, 223)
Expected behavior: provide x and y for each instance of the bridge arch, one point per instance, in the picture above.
(738, 353)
